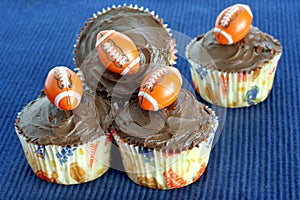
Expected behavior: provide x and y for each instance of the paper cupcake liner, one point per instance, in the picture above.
(173, 50)
(234, 89)
(159, 169)
(70, 164)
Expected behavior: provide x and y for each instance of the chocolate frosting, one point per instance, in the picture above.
(256, 49)
(43, 123)
(182, 125)
(147, 32)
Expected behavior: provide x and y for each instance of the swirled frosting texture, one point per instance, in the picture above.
(147, 32)
(183, 125)
(252, 52)
(44, 124)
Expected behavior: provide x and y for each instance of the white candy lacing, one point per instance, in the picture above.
(63, 77)
(109, 48)
(154, 77)
(228, 15)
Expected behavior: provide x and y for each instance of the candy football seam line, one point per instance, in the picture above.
(150, 99)
(129, 67)
(63, 76)
(154, 77)
(225, 34)
(228, 15)
(69, 93)
(102, 38)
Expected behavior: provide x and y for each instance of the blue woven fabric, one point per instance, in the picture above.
(258, 153)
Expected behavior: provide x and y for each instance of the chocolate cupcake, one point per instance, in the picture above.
(149, 34)
(66, 147)
(168, 148)
(235, 75)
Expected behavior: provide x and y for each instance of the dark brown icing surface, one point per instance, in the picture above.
(146, 31)
(182, 125)
(256, 49)
(43, 123)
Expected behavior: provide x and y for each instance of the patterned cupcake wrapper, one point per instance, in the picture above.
(234, 89)
(70, 164)
(158, 169)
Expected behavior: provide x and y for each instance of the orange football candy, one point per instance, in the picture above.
(117, 52)
(160, 88)
(63, 88)
(233, 24)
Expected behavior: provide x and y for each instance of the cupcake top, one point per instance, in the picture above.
(256, 49)
(182, 125)
(43, 123)
(154, 43)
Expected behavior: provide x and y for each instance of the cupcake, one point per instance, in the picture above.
(66, 147)
(165, 147)
(237, 74)
(149, 34)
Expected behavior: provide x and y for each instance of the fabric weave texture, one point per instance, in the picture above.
(258, 153)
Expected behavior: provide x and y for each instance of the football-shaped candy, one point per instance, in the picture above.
(233, 24)
(117, 52)
(63, 88)
(160, 88)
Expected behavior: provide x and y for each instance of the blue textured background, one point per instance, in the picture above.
(258, 153)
